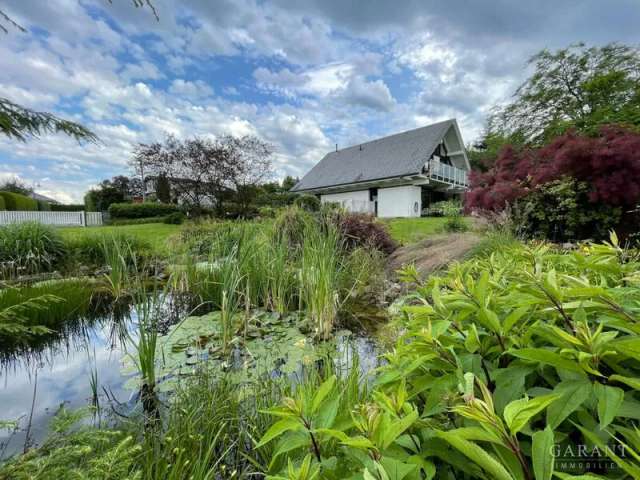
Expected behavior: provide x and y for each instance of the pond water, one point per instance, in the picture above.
(35, 384)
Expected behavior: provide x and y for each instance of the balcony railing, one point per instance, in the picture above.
(449, 174)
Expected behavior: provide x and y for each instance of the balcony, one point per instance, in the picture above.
(455, 177)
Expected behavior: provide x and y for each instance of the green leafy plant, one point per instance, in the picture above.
(29, 248)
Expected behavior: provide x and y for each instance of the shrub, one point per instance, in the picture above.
(503, 361)
(2, 204)
(363, 230)
(267, 212)
(176, 218)
(607, 168)
(18, 202)
(560, 210)
(43, 206)
(73, 207)
(137, 221)
(28, 248)
(455, 224)
(445, 208)
(310, 203)
(141, 210)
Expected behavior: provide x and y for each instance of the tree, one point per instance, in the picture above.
(203, 171)
(16, 186)
(605, 167)
(289, 182)
(575, 88)
(163, 189)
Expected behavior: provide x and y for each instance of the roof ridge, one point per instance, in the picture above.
(357, 145)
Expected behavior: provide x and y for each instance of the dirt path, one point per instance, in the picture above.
(432, 253)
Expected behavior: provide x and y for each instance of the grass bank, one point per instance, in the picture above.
(411, 230)
(154, 233)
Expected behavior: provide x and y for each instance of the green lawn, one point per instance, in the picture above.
(155, 233)
(410, 230)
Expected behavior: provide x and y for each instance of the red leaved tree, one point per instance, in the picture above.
(609, 163)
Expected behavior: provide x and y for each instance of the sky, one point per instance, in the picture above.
(303, 75)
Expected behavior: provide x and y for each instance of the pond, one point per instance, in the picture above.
(58, 372)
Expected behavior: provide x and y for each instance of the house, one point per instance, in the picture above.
(43, 198)
(395, 176)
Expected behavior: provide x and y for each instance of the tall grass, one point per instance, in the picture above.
(297, 262)
(29, 248)
(320, 266)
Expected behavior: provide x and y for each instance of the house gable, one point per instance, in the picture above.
(387, 158)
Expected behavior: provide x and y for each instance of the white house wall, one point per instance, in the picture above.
(356, 201)
(402, 201)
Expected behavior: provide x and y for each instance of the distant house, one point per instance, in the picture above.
(43, 198)
(394, 176)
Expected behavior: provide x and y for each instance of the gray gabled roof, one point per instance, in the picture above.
(393, 156)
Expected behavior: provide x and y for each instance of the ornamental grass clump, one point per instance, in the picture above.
(29, 248)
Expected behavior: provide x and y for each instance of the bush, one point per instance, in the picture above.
(137, 221)
(455, 224)
(502, 362)
(363, 230)
(176, 218)
(141, 210)
(267, 212)
(606, 167)
(2, 204)
(310, 203)
(28, 248)
(445, 208)
(560, 211)
(43, 206)
(18, 202)
(74, 207)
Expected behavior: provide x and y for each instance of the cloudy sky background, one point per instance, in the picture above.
(301, 74)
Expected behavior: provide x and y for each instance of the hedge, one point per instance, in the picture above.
(43, 206)
(141, 210)
(2, 205)
(74, 207)
(138, 221)
(17, 202)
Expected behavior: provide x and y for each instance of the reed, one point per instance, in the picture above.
(319, 275)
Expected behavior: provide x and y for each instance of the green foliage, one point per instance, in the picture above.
(43, 206)
(3, 205)
(28, 248)
(141, 210)
(445, 208)
(74, 450)
(163, 189)
(576, 87)
(18, 202)
(310, 203)
(137, 221)
(91, 201)
(503, 358)
(22, 123)
(561, 210)
(456, 224)
(90, 249)
(71, 207)
(40, 309)
(175, 218)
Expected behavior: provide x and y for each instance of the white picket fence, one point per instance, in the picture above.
(66, 219)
